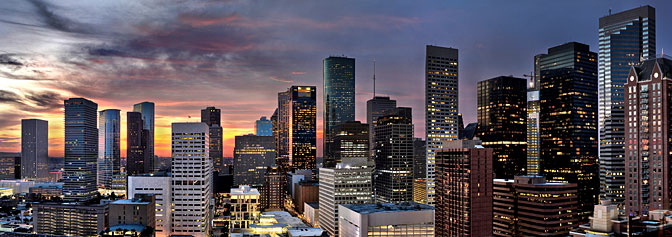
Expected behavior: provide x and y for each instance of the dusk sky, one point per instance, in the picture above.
(237, 55)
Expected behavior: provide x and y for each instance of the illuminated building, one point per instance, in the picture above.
(278, 224)
(347, 183)
(648, 175)
(109, 154)
(34, 150)
(375, 108)
(533, 107)
(464, 189)
(10, 165)
(191, 173)
(252, 155)
(530, 206)
(263, 127)
(147, 111)
(626, 38)
(273, 189)
(420, 190)
(441, 85)
(297, 124)
(48, 190)
(311, 212)
(138, 211)
(212, 117)
(339, 99)
(159, 185)
(386, 219)
(349, 140)
(67, 219)
(568, 121)
(393, 176)
(81, 149)
(245, 206)
(501, 109)
(138, 160)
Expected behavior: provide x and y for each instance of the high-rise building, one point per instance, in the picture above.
(10, 165)
(147, 111)
(530, 206)
(347, 183)
(297, 129)
(349, 140)
(441, 79)
(159, 185)
(212, 117)
(648, 176)
(273, 190)
(568, 121)
(419, 159)
(464, 189)
(376, 107)
(626, 38)
(252, 154)
(191, 172)
(81, 149)
(533, 109)
(109, 151)
(34, 149)
(263, 127)
(502, 102)
(138, 160)
(386, 219)
(393, 176)
(245, 207)
(339, 99)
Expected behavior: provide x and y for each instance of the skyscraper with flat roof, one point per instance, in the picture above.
(441, 84)
(252, 155)
(375, 108)
(212, 117)
(109, 157)
(138, 160)
(626, 38)
(147, 111)
(81, 149)
(34, 149)
(339, 99)
(393, 176)
(297, 125)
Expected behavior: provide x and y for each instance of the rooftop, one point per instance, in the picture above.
(244, 190)
(130, 201)
(388, 207)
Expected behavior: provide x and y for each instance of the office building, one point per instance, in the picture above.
(441, 85)
(347, 183)
(147, 111)
(419, 158)
(273, 189)
(502, 104)
(17, 185)
(81, 149)
(297, 124)
(138, 212)
(67, 219)
(530, 206)
(647, 167)
(568, 121)
(109, 151)
(252, 154)
(34, 150)
(305, 191)
(212, 117)
(339, 99)
(420, 190)
(191, 173)
(464, 189)
(349, 140)
(376, 107)
(10, 165)
(533, 109)
(47, 190)
(138, 160)
(393, 176)
(245, 206)
(386, 219)
(263, 127)
(312, 213)
(160, 186)
(625, 39)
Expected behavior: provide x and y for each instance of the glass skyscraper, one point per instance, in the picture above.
(109, 157)
(339, 99)
(263, 127)
(81, 149)
(393, 175)
(213, 118)
(297, 129)
(375, 108)
(626, 38)
(34, 149)
(568, 121)
(533, 109)
(138, 160)
(147, 111)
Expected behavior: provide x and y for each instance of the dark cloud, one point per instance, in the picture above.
(55, 21)
(105, 52)
(9, 97)
(45, 99)
(8, 59)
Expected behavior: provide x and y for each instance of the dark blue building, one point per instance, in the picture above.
(339, 98)
(81, 149)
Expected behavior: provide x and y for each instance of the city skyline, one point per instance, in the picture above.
(42, 72)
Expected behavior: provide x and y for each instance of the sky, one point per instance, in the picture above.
(237, 55)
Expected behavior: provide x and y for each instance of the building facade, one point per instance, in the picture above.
(349, 140)
(213, 118)
(34, 149)
(626, 38)
(147, 111)
(245, 207)
(393, 176)
(109, 151)
(252, 154)
(297, 124)
(533, 109)
(140, 210)
(376, 107)
(10, 165)
(339, 99)
(70, 219)
(386, 219)
(81, 149)
(263, 127)
(138, 160)
(160, 186)
(273, 189)
(441, 96)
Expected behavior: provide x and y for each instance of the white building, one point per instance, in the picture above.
(311, 212)
(244, 207)
(17, 185)
(347, 183)
(191, 172)
(160, 186)
(386, 219)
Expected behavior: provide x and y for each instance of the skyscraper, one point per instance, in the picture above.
(137, 153)
(251, 155)
(263, 127)
(419, 159)
(191, 172)
(339, 99)
(297, 116)
(375, 108)
(212, 117)
(147, 111)
(626, 38)
(81, 149)
(464, 189)
(109, 157)
(533, 109)
(568, 121)
(350, 140)
(441, 79)
(648, 177)
(502, 103)
(393, 176)
(34, 149)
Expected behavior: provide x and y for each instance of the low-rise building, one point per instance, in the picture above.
(311, 212)
(48, 190)
(70, 219)
(386, 219)
(305, 191)
(245, 207)
(158, 184)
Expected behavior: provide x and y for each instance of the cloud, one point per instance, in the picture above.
(8, 59)
(281, 80)
(55, 21)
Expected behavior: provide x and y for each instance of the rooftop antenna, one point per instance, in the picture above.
(374, 78)
(610, 11)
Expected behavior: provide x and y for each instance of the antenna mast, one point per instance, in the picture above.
(374, 78)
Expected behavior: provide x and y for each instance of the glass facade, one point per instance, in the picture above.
(393, 176)
(81, 149)
(339, 99)
(34, 150)
(212, 117)
(302, 129)
(251, 156)
(147, 111)
(109, 154)
(263, 127)
(137, 153)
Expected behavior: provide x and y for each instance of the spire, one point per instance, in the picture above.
(374, 78)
